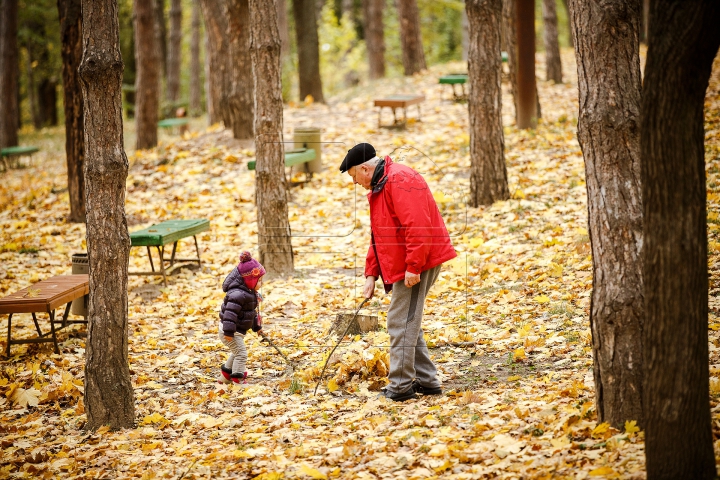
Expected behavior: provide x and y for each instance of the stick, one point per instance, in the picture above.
(262, 334)
(338, 343)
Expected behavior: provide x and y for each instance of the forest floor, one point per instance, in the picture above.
(518, 402)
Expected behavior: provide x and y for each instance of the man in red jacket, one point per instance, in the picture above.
(409, 243)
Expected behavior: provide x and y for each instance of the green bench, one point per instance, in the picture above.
(165, 233)
(16, 152)
(170, 123)
(456, 79)
(292, 157)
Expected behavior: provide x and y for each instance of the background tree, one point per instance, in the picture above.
(9, 73)
(552, 47)
(70, 15)
(195, 106)
(683, 40)
(308, 52)
(274, 239)
(218, 86)
(161, 34)
(241, 98)
(109, 398)
(526, 102)
(147, 82)
(174, 52)
(488, 175)
(374, 36)
(283, 29)
(413, 55)
(608, 64)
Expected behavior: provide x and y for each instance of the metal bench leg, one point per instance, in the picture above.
(7, 351)
(66, 313)
(152, 267)
(37, 325)
(161, 252)
(197, 249)
(172, 256)
(394, 117)
(52, 329)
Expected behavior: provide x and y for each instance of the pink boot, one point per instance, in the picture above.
(240, 378)
(225, 375)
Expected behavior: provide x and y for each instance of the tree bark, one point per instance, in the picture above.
(274, 238)
(9, 73)
(47, 102)
(161, 33)
(174, 51)
(375, 36)
(70, 16)
(527, 100)
(683, 41)
(644, 24)
(552, 47)
(308, 51)
(464, 24)
(32, 91)
(608, 65)
(147, 80)
(109, 398)
(215, 16)
(488, 175)
(283, 30)
(241, 99)
(567, 10)
(413, 55)
(195, 107)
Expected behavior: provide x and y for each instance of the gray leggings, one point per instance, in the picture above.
(238, 352)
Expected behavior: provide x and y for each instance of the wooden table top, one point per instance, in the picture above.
(399, 100)
(46, 295)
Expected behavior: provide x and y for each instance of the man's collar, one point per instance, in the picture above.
(378, 173)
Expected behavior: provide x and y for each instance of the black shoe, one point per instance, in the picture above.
(398, 397)
(417, 388)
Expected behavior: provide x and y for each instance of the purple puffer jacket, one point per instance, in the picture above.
(237, 312)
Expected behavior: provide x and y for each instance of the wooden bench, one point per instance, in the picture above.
(164, 233)
(398, 102)
(16, 152)
(45, 296)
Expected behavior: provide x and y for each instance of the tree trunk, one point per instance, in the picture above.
(147, 80)
(644, 24)
(274, 236)
(308, 52)
(32, 91)
(241, 98)
(47, 101)
(608, 65)
(464, 24)
(109, 398)
(488, 175)
(552, 47)
(527, 112)
(283, 30)
(567, 11)
(161, 33)
(683, 39)
(413, 55)
(195, 107)
(510, 37)
(375, 36)
(215, 15)
(174, 51)
(9, 73)
(70, 16)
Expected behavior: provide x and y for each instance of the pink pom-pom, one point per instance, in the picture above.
(245, 257)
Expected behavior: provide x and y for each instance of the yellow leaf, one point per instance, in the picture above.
(154, 418)
(600, 429)
(555, 270)
(24, 398)
(602, 471)
(519, 354)
(518, 194)
(307, 470)
(561, 442)
(513, 378)
(269, 476)
(332, 385)
(32, 292)
(309, 100)
(631, 427)
(542, 299)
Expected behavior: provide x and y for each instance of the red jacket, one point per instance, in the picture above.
(408, 232)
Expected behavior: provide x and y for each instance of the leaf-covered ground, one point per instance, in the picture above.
(507, 322)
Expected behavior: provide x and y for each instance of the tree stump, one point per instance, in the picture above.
(361, 324)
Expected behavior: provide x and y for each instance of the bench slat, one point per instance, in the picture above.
(168, 232)
(10, 151)
(292, 158)
(53, 292)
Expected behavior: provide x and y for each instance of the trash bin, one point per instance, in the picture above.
(309, 137)
(80, 265)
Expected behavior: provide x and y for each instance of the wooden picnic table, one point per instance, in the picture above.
(402, 102)
(161, 234)
(45, 296)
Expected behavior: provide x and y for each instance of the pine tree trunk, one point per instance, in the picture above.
(109, 398)
(218, 76)
(241, 98)
(511, 47)
(195, 106)
(488, 175)
(47, 102)
(274, 236)
(308, 51)
(375, 36)
(684, 39)
(9, 74)
(147, 80)
(552, 47)
(413, 55)
(174, 51)
(527, 112)
(160, 34)
(608, 65)
(70, 16)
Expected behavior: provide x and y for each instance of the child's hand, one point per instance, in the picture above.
(259, 296)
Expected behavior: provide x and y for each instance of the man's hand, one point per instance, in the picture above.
(411, 279)
(369, 287)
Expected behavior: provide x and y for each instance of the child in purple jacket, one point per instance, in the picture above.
(238, 314)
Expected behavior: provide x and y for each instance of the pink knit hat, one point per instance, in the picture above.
(250, 269)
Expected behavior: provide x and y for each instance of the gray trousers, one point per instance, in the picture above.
(238, 352)
(409, 356)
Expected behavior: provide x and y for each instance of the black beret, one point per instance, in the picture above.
(360, 153)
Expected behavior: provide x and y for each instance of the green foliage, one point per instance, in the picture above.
(342, 54)
(441, 27)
